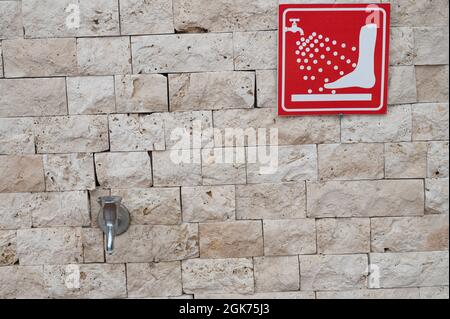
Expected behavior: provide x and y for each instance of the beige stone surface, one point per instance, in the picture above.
(104, 56)
(350, 161)
(211, 90)
(402, 87)
(93, 246)
(266, 91)
(68, 134)
(135, 132)
(146, 17)
(40, 57)
(154, 279)
(255, 50)
(276, 274)
(95, 281)
(289, 237)
(10, 20)
(224, 15)
(343, 235)
(431, 83)
(91, 95)
(15, 210)
(182, 53)
(33, 97)
(403, 234)
(406, 160)
(141, 93)
(123, 170)
(434, 292)
(438, 160)
(260, 295)
(22, 282)
(333, 272)
(398, 293)
(431, 46)
(415, 269)
(232, 275)
(221, 166)
(48, 18)
(152, 206)
(430, 121)
(177, 168)
(21, 173)
(419, 13)
(8, 253)
(66, 172)
(271, 201)
(1, 61)
(208, 203)
(231, 239)
(49, 246)
(401, 46)
(142, 243)
(436, 196)
(16, 135)
(351, 199)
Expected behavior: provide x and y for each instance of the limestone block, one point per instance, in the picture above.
(431, 46)
(398, 293)
(438, 155)
(177, 168)
(16, 135)
(21, 173)
(433, 292)
(436, 196)
(430, 121)
(22, 282)
(419, 13)
(277, 274)
(93, 246)
(406, 160)
(8, 253)
(266, 92)
(221, 166)
(401, 46)
(10, 20)
(15, 210)
(255, 50)
(402, 88)
(261, 295)
(432, 83)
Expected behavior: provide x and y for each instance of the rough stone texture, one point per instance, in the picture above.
(438, 159)
(156, 243)
(170, 170)
(223, 166)
(49, 246)
(432, 83)
(433, 293)
(431, 46)
(277, 274)
(15, 210)
(68, 172)
(16, 136)
(295, 163)
(22, 282)
(333, 272)
(152, 206)
(401, 46)
(401, 85)
(77, 133)
(350, 199)
(211, 91)
(430, 122)
(266, 92)
(343, 235)
(224, 15)
(233, 275)
(8, 254)
(39, 57)
(33, 97)
(120, 170)
(208, 203)
(419, 13)
(414, 269)
(289, 237)
(436, 196)
(1, 61)
(141, 93)
(91, 95)
(182, 53)
(402, 234)
(21, 173)
(135, 132)
(271, 201)
(255, 50)
(393, 127)
(10, 20)
(93, 246)
(104, 56)
(351, 161)
(160, 279)
(406, 160)
(231, 239)
(48, 18)
(146, 17)
(400, 293)
(95, 281)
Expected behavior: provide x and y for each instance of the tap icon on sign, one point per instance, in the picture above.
(294, 28)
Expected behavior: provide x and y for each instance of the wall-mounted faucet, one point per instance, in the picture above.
(294, 28)
(113, 219)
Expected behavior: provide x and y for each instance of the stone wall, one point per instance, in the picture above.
(89, 111)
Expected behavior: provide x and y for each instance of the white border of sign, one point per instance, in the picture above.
(334, 109)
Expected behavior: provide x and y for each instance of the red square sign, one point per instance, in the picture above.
(333, 59)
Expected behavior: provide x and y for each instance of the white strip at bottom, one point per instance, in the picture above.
(330, 97)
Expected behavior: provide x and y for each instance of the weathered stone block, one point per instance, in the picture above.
(261, 295)
(419, 13)
(177, 168)
(434, 292)
(402, 88)
(15, 210)
(208, 203)
(399, 293)
(289, 237)
(182, 53)
(22, 282)
(222, 166)
(1, 61)
(365, 198)
(255, 50)
(406, 160)
(431, 46)
(438, 159)
(21, 173)
(16, 135)
(401, 46)
(10, 20)
(231, 239)
(333, 272)
(432, 83)
(277, 274)
(234, 275)
(436, 196)
(8, 254)
(271, 201)
(124, 170)
(93, 246)
(430, 122)
(266, 92)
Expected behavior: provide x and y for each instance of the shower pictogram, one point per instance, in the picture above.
(333, 59)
